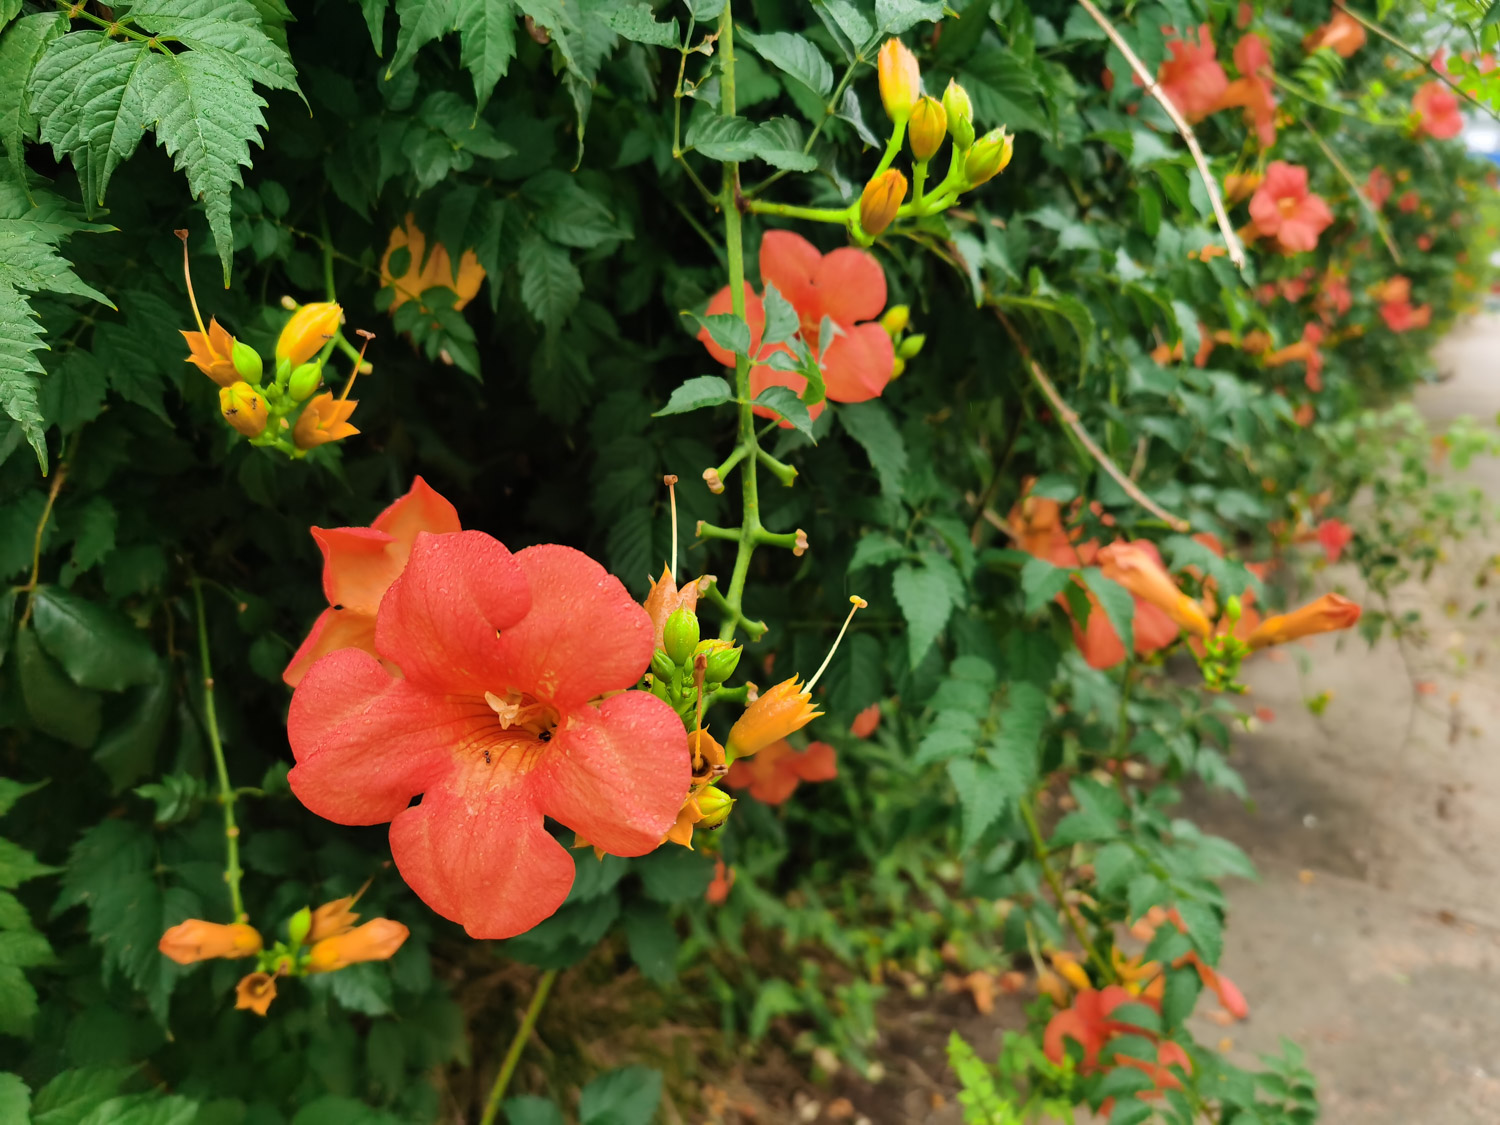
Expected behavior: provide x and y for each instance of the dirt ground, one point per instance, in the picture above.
(1373, 936)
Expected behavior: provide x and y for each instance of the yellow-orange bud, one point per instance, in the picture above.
(244, 408)
(928, 128)
(960, 113)
(989, 156)
(778, 712)
(1328, 614)
(880, 201)
(900, 79)
(377, 940)
(197, 940)
(311, 327)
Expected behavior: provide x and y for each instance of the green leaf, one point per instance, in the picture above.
(422, 21)
(1129, 1111)
(779, 143)
(982, 795)
(93, 530)
(20, 47)
(529, 1110)
(775, 997)
(73, 1094)
(1114, 866)
(926, 601)
(15, 1100)
(1180, 996)
(875, 549)
(1205, 927)
(896, 16)
(636, 23)
(18, 866)
(1041, 581)
(782, 321)
(869, 423)
(789, 405)
(728, 331)
(1118, 605)
(96, 646)
(695, 394)
(721, 138)
(1018, 746)
(673, 875)
(18, 1006)
(550, 282)
(229, 31)
(20, 339)
(57, 707)
(487, 38)
(796, 56)
(621, 1097)
(652, 941)
(13, 791)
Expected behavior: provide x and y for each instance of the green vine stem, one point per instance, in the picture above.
(227, 793)
(1075, 923)
(517, 1045)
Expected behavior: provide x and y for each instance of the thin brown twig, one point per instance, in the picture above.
(1069, 417)
(1226, 228)
(1413, 53)
(1380, 224)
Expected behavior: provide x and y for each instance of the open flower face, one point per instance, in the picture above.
(497, 721)
(1192, 78)
(359, 565)
(848, 287)
(1285, 210)
(1436, 108)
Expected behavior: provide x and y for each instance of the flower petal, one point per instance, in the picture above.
(357, 571)
(819, 762)
(421, 509)
(790, 262)
(851, 286)
(858, 364)
(617, 775)
(476, 851)
(366, 742)
(584, 636)
(334, 629)
(439, 619)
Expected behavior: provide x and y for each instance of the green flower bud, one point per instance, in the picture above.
(1233, 609)
(895, 319)
(960, 114)
(723, 658)
(283, 371)
(715, 805)
(661, 665)
(247, 362)
(989, 156)
(911, 346)
(299, 927)
(304, 381)
(680, 635)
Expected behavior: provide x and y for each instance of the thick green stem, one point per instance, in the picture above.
(517, 1045)
(1039, 845)
(843, 216)
(227, 792)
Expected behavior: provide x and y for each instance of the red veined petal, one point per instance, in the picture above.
(357, 571)
(421, 509)
(476, 851)
(790, 262)
(334, 629)
(858, 364)
(366, 742)
(851, 286)
(585, 634)
(439, 619)
(617, 774)
(755, 317)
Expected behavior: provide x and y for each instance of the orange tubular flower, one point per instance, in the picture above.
(1140, 573)
(311, 327)
(785, 708)
(1328, 614)
(255, 992)
(775, 773)
(212, 353)
(324, 419)
(866, 721)
(332, 919)
(377, 940)
(435, 272)
(1343, 35)
(1192, 78)
(723, 882)
(197, 940)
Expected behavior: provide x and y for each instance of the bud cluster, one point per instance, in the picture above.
(686, 666)
(908, 344)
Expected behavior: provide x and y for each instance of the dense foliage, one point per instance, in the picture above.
(532, 205)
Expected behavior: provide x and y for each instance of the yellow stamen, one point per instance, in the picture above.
(192, 298)
(856, 603)
(358, 363)
(670, 480)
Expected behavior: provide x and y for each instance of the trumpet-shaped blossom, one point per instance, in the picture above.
(255, 992)
(1327, 614)
(510, 707)
(1333, 537)
(774, 774)
(1192, 77)
(197, 940)
(1283, 209)
(1403, 316)
(377, 940)
(776, 713)
(1343, 35)
(1436, 107)
(847, 286)
(359, 565)
(1252, 91)
(866, 721)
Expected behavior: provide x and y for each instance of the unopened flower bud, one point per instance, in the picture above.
(304, 381)
(898, 368)
(880, 201)
(911, 346)
(247, 362)
(311, 327)
(900, 79)
(680, 635)
(723, 659)
(927, 129)
(960, 113)
(895, 319)
(715, 805)
(661, 666)
(244, 408)
(300, 926)
(1233, 610)
(989, 156)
